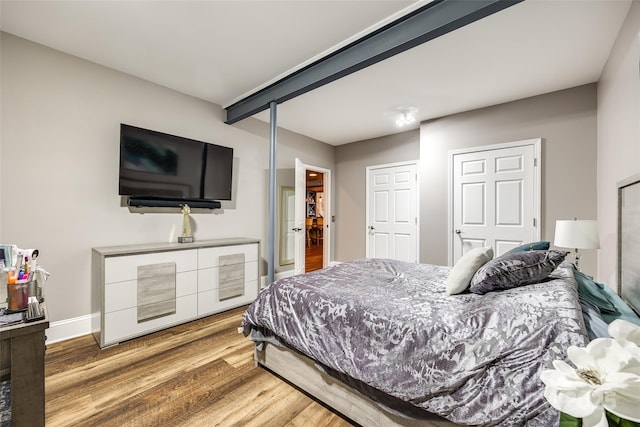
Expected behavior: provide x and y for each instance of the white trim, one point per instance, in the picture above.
(63, 330)
(537, 183)
(300, 198)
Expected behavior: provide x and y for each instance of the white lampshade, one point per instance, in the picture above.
(577, 234)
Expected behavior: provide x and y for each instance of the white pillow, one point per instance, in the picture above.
(462, 273)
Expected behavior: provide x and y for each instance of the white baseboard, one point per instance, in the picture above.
(69, 328)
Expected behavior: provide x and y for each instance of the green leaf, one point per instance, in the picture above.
(567, 420)
(616, 421)
(613, 420)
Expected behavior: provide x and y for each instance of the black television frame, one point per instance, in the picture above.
(153, 199)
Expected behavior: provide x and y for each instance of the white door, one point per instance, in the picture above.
(495, 197)
(300, 215)
(392, 211)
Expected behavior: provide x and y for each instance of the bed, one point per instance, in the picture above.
(382, 342)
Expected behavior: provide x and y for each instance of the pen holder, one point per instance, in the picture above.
(17, 296)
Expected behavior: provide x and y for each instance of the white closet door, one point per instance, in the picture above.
(392, 212)
(495, 198)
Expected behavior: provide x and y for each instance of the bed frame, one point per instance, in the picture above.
(302, 372)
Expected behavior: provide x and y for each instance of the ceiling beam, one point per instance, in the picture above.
(426, 23)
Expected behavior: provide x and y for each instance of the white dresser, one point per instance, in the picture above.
(138, 289)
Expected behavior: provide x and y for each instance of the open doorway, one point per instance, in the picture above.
(314, 220)
(312, 214)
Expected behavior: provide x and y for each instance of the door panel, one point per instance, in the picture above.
(473, 203)
(381, 207)
(402, 207)
(402, 246)
(509, 201)
(381, 245)
(469, 244)
(503, 246)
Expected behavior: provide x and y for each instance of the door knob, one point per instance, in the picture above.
(296, 229)
(371, 227)
(458, 231)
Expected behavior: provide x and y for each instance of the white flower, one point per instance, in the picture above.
(625, 330)
(627, 334)
(605, 378)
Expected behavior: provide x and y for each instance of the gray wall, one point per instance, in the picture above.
(566, 122)
(618, 136)
(59, 164)
(350, 195)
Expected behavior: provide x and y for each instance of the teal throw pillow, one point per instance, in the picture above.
(534, 246)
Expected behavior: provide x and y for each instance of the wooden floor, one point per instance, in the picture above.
(198, 374)
(313, 257)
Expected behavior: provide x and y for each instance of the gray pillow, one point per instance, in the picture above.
(464, 269)
(515, 269)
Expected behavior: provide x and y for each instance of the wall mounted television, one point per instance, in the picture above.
(164, 169)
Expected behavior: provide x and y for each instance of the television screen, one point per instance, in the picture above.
(159, 165)
(218, 172)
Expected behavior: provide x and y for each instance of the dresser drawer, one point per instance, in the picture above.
(123, 324)
(209, 302)
(122, 295)
(209, 278)
(123, 268)
(210, 257)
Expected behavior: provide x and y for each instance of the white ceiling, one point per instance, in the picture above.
(222, 50)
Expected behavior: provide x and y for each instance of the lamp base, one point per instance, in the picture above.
(576, 260)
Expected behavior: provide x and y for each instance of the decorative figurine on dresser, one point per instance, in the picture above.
(23, 320)
(187, 236)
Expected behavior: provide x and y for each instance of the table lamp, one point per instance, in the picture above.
(577, 234)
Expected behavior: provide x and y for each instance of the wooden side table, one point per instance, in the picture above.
(26, 343)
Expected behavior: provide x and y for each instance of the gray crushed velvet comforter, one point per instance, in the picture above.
(473, 359)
